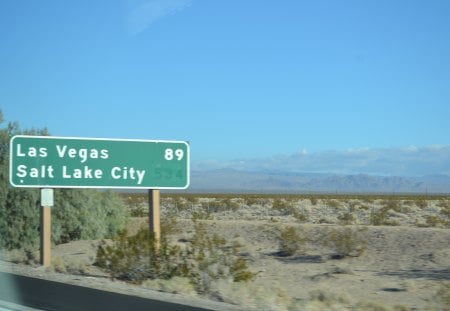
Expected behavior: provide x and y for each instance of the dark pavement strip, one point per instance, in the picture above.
(55, 296)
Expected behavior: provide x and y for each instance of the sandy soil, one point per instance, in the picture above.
(401, 265)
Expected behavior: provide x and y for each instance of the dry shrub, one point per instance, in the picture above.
(326, 220)
(313, 200)
(135, 204)
(301, 216)
(280, 204)
(381, 217)
(323, 300)
(232, 204)
(169, 225)
(201, 215)
(69, 265)
(58, 265)
(332, 203)
(210, 257)
(252, 296)
(363, 207)
(14, 255)
(392, 204)
(435, 221)
(345, 242)
(441, 300)
(445, 210)
(347, 218)
(421, 203)
(206, 258)
(329, 298)
(339, 301)
(29, 256)
(77, 266)
(137, 258)
(341, 269)
(378, 306)
(175, 285)
(285, 207)
(292, 241)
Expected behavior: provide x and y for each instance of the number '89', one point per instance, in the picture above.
(170, 154)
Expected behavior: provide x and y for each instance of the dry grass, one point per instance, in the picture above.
(322, 252)
(304, 231)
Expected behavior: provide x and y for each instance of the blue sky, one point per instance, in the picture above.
(237, 79)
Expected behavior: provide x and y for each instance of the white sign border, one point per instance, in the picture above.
(188, 177)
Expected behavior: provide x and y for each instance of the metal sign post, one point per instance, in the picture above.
(154, 200)
(46, 227)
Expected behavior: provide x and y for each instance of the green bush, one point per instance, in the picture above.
(77, 214)
(19, 219)
(86, 214)
(19, 207)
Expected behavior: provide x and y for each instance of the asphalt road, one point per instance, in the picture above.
(55, 296)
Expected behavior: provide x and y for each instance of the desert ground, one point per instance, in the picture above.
(348, 252)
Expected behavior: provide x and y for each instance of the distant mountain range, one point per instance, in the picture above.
(231, 180)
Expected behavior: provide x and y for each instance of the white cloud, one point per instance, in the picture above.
(358, 150)
(410, 149)
(304, 151)
(147, 12)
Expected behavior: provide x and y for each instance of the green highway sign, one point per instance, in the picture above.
(71, 162)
